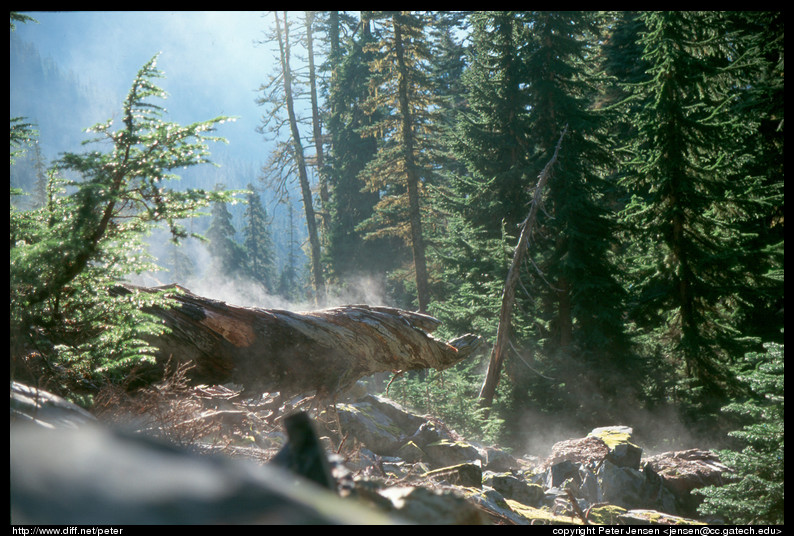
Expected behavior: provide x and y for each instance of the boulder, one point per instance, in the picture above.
(653, 517)
(446, 452)
(583, 450)
(497, 460)
(618, 439)
(631, 489)
(686, 470)
(94, 476)
(378, 423)
(464, 474)
(30, 404)
(517, 489)
(427, 506)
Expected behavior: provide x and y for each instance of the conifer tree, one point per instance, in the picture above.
(581, 301)
(280, 94)
(485, 203)
(258, 242)
(754, 492)
(229, 259)
(350, 256)
(523, 88)
(67, 256)
(400, 84)
(689, 195)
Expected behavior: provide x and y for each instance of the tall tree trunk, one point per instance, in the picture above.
(311, 223)
(488, 389)
(317, 129)
(412, 175)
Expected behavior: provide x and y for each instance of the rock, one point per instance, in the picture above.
(631, 489)
(378, 423)
(495, 506)
(560, 472)
(541, 516)
(30, 404)
(497, 460)
(652, 517)
(427, 433)
(410, 452)
(618, 439)
(512, 487)
(94, 476)
(433, 506)
(464, 474)
(584, 450)
(686, 470)
(608, 514)
(446, 452)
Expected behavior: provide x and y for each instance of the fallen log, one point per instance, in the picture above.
(325, 351)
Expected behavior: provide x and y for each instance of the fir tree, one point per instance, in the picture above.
(229, 259)
(350, 256)
(689, 195)
(258, 242)
(400, 169)
(523, 88)
(754, 493)
(67, 256)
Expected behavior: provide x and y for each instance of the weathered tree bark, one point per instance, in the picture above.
(325, 351)
(508, 295)
(311, 224)
(411, 172)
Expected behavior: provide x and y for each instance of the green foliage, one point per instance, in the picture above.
(229, 258)
(68, 255)
(692, 258)
(451, 395)
(754, 494)
(258, 242)
(22, 135)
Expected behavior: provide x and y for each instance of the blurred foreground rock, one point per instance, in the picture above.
(93, 476)
(395, 467)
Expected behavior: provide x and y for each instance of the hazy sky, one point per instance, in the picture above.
(211, 62)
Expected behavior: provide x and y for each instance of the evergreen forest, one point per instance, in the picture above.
(407, 149)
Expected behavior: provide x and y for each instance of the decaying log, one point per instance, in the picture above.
(324, 351)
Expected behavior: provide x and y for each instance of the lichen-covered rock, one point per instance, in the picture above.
(630, 488)
(541, 516)
(618, 439)
(607, 514)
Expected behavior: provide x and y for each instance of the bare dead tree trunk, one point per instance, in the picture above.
(311, 223)
(324, 351)
(508, 295)
(317, 128)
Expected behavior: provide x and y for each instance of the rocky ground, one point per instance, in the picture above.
(363, 460)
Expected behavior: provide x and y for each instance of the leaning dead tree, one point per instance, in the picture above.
(508, 295)
(324, 351)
